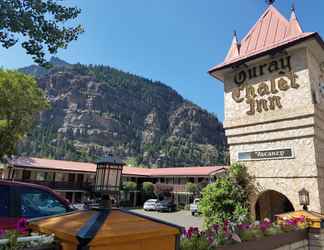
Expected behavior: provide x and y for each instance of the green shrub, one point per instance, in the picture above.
(253, 233)
(194, 243)
(129, 186)
(274, 230)
(227, 198)
(148, 187)
(191, 187)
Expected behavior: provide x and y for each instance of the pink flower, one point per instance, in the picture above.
(21, 226)
(2, 232)
(195, 230)
(215, 227)
(264, 226)
(189, 233)
(301, 219)
(244, 226)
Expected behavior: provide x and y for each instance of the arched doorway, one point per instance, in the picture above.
(271, 203)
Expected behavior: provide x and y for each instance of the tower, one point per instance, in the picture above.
(274, 111)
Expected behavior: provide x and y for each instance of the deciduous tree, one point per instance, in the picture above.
(227, 198)
(40, 26)
(21, 100)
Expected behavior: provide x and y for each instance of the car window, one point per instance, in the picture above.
(38, 203)
(4, 201)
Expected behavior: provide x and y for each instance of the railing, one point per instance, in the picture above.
(178, 187)
(61, 185)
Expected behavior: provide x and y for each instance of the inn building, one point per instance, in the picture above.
(74, 180)
(274, 111)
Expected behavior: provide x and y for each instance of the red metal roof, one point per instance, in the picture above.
(73, 166)
(42, 163)
(272, 30)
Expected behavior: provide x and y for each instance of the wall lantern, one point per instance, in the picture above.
(108, 179)
(304, 198)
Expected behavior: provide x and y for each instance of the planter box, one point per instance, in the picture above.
(54, 246)
(271, 242)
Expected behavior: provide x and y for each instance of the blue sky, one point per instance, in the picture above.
(173, 41)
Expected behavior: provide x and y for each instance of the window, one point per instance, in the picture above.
(39, 203)
(4, 201)
(40, 176)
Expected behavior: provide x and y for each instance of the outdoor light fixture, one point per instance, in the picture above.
(108, 179)
(304, 198)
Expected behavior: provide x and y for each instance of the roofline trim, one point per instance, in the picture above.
(52, 169)
(266, 52)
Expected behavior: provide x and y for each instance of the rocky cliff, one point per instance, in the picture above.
(98, 109)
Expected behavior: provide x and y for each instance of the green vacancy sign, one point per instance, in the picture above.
(273, 154)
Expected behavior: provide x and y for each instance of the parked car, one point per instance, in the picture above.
(194, 207)
(166, 206)
(150, 205)
(29, 201)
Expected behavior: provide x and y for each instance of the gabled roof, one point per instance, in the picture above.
(272, 30)
(73, 166)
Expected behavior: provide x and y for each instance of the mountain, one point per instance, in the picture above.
(97, 110)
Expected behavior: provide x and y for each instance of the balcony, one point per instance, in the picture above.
(60, 185)
(178, 188)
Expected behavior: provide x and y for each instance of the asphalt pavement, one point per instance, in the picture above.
(181, 218)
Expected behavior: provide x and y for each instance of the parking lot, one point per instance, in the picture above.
(182, 218)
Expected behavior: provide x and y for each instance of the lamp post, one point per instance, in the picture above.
(108, 179)
(304, 198)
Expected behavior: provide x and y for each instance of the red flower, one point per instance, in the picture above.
(21, 226)
(225, 226)
(216, 227)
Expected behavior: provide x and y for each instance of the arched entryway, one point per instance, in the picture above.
(270, 203)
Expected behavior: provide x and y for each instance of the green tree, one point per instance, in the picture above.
(148, 188)
(162, 190)
(20, 102)
(191, 187)
(227, 198)
(39, 26)
(132, 162)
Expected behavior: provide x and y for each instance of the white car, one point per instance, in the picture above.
(150, 205)
(194, 207)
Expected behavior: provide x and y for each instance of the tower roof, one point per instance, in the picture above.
(272, 30)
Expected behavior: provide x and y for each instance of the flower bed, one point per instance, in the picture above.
(229, 236)
(271, 242)
(21, 238)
